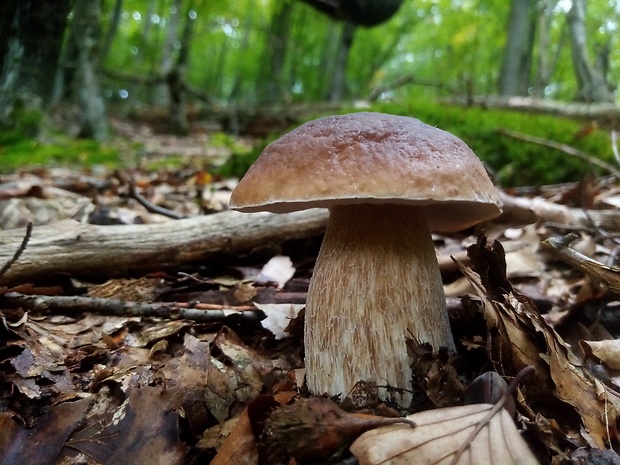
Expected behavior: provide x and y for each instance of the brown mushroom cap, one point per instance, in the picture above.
(375, 158)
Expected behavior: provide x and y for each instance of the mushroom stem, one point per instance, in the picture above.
(376, 284)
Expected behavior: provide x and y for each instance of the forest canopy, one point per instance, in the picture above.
(187, 59)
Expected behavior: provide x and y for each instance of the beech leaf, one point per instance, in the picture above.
(467, 435)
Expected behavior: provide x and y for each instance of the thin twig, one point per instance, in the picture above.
(204, 313)
(18, 252)
(614, 146)
(150, 206)
(567, 149)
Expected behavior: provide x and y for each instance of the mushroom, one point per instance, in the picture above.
(387, 181)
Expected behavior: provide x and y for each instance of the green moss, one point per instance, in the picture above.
(239, 162)
(18, 150)
(513, 161)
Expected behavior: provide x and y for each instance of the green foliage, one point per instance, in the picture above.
(448, 46)
(513, 161)
(18, 150)
(239, 161)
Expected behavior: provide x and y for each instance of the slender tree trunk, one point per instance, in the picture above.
(31, 38)
(176, 80)
(272, 88)
(543, 68)
(517, 61)
(591, 83)
(338, 85)
(161, 94)
(112, 29)
(86, 24)
(237, 90)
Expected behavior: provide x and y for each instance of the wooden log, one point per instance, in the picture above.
(91, 251)
(523, 210)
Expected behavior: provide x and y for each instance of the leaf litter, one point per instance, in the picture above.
(138, 380)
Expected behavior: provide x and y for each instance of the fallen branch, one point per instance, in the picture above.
(18, 252)
(204, 313)
(523, 210)
(92, 251)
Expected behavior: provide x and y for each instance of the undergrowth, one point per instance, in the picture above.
(512, 161)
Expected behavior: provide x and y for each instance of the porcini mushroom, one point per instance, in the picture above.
(387, 181)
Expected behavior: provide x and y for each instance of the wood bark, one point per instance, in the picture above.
(99, 252)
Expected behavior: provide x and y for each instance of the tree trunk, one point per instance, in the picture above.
(31, 38)
(112, 29)
(273, 89)
(86, 31)
(176, 81)
(161, 94)
(338, 85)
(543, 68)
(517, 61)
(591, 84)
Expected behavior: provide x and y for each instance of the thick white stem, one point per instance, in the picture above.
(376, 284)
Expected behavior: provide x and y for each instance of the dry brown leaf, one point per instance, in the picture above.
(520, 328)
(240, 446)
(607, 351)
(441, 434)
(143, 429)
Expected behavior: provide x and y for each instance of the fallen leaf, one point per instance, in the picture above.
(278, 317)
(607, 351)
(525, 338)
(43, 443)
(143, 429)
(471, 434)
(314, 429)
(278, 270)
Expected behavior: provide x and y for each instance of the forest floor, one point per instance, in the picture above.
(156, 346)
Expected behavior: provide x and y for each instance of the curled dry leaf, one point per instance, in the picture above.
(525, 338)
(607, 351)
(467, 435)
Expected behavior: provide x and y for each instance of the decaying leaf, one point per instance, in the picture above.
(143, 429)
(278, 317)
(526, 338)
(43, 443)
(447, 436)
(316, 429)
(607, 351)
